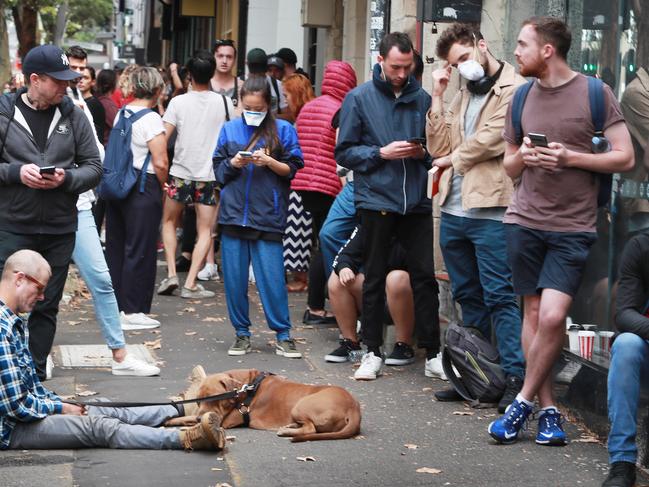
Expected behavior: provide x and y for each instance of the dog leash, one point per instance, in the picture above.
(244, 406)
(127, 404)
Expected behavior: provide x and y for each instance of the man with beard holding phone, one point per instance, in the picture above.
(550, 222)
(466, 140)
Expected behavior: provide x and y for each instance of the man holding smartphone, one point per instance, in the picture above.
(550, 222)
(466, 140)
(41, 127)
(377, 122)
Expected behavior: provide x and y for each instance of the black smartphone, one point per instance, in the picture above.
(245, 154)
(47, 169)
(417, 140)
(538, 140)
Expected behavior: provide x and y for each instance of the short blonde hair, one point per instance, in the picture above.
(26, 261)
(146, 82)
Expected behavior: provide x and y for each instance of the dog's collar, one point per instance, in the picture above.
(251, 389)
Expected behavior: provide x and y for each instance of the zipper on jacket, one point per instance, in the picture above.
(246, 202)
(403, 186)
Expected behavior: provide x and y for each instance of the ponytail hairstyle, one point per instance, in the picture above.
(268, 128)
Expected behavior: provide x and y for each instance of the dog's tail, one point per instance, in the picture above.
(351, 428)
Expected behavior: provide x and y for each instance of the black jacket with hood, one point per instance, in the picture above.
(70, 145)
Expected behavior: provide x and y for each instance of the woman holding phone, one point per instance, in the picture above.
(255, 159)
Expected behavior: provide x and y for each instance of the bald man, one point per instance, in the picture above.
(32, 417)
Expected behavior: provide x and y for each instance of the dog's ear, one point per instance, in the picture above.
(230, 383)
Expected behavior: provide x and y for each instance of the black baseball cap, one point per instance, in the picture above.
(287, 55)
(275, 61)
(50, 60)
(256, 56)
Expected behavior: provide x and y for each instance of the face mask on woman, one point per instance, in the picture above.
(254, 119)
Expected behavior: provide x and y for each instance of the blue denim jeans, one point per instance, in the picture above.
(475, 254)
(338, 226)
(268, 265)
(90, 260)
(629, 365)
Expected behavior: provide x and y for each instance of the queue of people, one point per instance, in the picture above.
(332, 190)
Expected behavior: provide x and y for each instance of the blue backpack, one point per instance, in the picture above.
(119, 174)
(597, 112)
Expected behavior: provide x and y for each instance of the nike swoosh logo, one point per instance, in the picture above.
(547, 435)
(509, 436)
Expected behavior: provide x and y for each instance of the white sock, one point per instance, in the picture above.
(520, 398)
(550, 407)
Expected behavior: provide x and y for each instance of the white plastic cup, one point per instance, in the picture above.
(573, 340)
(605, 339)
(586, 344)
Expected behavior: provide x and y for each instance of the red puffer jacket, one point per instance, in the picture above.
(317, 137)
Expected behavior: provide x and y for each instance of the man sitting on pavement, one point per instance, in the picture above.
(32, 417)
(345, 294)
(629, 361)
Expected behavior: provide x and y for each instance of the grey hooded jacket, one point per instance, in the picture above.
(70, 145)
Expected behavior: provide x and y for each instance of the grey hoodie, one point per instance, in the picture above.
(70, 145)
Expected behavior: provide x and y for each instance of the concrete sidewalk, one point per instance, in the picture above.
(404, 429)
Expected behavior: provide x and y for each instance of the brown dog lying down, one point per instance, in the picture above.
(302, 412)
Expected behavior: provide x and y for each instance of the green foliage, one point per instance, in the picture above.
(84, 17)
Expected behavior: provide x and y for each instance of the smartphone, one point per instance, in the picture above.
(245, 154)
(417, 140)
(538, 140)
(47, 169)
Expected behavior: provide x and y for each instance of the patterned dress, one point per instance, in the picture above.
(297, 237)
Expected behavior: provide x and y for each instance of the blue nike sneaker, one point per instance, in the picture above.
(506, 428)
(550, 430)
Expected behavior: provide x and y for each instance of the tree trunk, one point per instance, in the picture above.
(26, 19)
(641, 11)
(5, 61)
(61, 22)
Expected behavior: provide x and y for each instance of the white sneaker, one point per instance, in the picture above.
(371, 367)
(251, 276)
(209, 273)
(49, 367)
(434, 367)
(133, 366)
(137, 321)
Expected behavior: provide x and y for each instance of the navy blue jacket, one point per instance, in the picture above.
(253, 196)
(372, 117)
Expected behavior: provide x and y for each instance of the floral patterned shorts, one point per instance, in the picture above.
(187, 191)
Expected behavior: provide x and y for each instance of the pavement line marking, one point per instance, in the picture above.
(234, 470)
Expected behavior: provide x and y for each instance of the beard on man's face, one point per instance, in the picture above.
(535, 68)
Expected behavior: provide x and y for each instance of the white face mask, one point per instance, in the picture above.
(254, 119)
(471, 70)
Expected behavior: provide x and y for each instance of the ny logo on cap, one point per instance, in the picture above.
(64, 59)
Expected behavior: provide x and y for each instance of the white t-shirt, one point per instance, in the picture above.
(198, 117)
(142, 132)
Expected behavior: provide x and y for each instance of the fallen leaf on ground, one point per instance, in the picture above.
(427, 389)
(155, 344)
(86, 393)
(305, 459)
(410, 446)
(230, 438)
(216, 469)
(73, 323)
(223, 484)
(428, 470)
(358, 437)
(586, 439)
(463, 413)
(190, 333)
(299, 340)
(189, 309)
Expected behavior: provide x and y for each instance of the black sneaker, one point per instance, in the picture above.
(341, 354)
(513, 385)
(621, 474)
(402, 354)
(183, 264)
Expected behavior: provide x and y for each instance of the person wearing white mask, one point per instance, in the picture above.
(465, 138)
(255, 159)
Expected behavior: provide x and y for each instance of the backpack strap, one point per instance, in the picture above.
(273, 82)
(143, 173)
(596, 100)
(134, 117)
(225, 104)
(518, 102)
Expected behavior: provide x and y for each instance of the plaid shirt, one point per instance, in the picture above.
(22, 396)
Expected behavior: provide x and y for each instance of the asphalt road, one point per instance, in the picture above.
(403, 428)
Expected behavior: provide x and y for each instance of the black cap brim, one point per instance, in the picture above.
(67, 75)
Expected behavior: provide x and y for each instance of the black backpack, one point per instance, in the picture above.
(598, 116)
(481, 379)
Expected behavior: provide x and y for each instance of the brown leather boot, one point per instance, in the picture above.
(195, 379)
(208, 435)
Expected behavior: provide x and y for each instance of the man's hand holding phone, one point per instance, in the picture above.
(35, 177)
(538, 152)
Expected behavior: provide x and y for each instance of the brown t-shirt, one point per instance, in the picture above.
(566, 200)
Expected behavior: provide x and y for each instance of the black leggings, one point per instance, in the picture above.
(318, 205)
